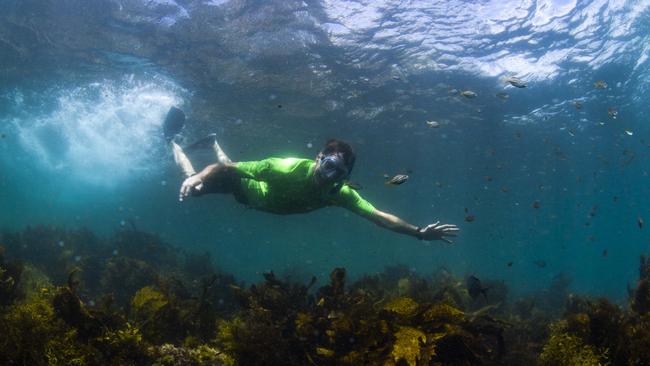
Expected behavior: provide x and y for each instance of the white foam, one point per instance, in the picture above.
(102, 133)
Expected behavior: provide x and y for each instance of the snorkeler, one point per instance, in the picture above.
(293, 185)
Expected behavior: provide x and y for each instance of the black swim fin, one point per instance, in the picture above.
(204, 143)
(174, 122)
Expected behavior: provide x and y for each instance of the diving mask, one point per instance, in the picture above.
(332, 167)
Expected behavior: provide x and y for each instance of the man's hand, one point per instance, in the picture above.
(436, 231)
(193, 182)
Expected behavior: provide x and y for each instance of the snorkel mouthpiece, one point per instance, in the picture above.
(333, 167)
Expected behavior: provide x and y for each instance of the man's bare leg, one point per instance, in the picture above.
(182, 160)
(221, 156)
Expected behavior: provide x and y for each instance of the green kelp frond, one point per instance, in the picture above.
(25, 328)
(566, 349)
(148, 301)
(443, 313)
(126, 346)
(227, 333)
(34, 283)
(66, 350)
(403, 306)
(407, 346)
(32, 335)
(203, 355)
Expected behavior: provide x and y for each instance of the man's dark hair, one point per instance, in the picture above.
(333, 146)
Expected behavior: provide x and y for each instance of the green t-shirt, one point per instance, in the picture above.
(286, 186)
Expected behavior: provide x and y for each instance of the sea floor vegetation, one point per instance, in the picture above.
(68, 297)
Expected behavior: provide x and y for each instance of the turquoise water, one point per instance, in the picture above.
(86, 84)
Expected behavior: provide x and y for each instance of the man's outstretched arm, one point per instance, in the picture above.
(435, 231)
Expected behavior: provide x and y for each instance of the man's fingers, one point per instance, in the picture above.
(448, 227)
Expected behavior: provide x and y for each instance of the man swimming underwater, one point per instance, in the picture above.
(293, 185)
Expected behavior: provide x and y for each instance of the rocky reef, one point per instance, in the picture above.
(70, 298)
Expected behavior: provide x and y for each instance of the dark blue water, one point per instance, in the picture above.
(554, 174)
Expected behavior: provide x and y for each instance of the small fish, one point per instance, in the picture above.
(470, 218)
(578, 105)
(540, 263)
(466, 210)
(516, 82)
(397, 180)
(640, 222)
(509, 264)
(468, 94)
(612, 112)
(2, 135)
(503, 96)
(600, 84)
(474, 287)
(433, 124)
(536, 204)
(354, 185)
(504, 189)
(605, 253)
(629, 133)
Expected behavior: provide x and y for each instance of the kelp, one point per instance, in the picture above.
(339, 327)
(565, 349)
(203, 355)
(10, 273)
(640, 301)
(135, 300)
